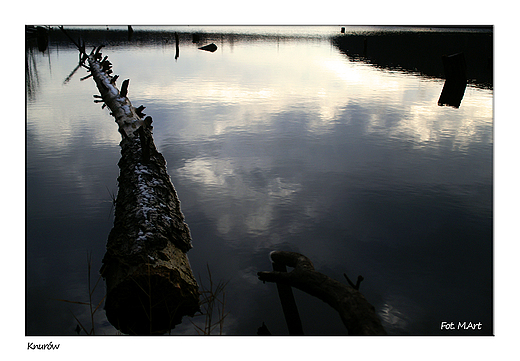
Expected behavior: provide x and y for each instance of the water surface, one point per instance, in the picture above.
(276, 141)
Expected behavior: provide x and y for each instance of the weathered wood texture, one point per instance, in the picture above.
(357, 314)
(150, 284)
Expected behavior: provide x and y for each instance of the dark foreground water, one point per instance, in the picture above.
(279, 140)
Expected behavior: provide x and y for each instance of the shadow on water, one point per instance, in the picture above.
(138, 37)
(422, 52)
(36, 37)
(39, 35)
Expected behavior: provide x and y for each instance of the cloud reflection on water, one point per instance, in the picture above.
(241, 99)
(244, 95)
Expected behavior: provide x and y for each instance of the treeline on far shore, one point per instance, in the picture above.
(406, 50)
(421, 52)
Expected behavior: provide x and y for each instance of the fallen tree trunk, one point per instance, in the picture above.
(150, 284)
(357, 314)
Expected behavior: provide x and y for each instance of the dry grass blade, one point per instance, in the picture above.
(80, 324)
(100, 303)
(89, 303)
(199, 330)
(76, 302)
(97, 282)
(212, 305)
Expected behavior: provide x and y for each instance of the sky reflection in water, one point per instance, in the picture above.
(286, 145)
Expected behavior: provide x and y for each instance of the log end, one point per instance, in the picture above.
(151, 300)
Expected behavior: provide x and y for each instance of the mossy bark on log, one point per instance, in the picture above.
(150, 284)
(357, 314)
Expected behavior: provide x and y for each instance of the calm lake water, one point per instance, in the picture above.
(278, 140)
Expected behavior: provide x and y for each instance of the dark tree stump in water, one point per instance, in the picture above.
(455, 84)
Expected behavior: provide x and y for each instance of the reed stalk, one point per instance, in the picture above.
(90, 304)
(212, 303)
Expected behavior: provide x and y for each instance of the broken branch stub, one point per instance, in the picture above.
(357, 314)
(150, 284)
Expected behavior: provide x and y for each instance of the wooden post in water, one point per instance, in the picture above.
(150, 284)
(455, 84)
(176, 46)
(290, 310)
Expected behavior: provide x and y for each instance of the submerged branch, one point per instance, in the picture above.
(357, 314)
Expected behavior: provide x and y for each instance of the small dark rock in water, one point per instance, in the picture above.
(211, 47)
